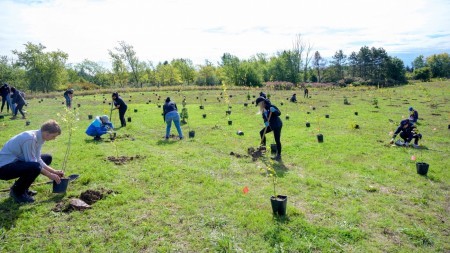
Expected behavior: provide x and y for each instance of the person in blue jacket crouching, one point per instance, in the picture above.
(99, 127)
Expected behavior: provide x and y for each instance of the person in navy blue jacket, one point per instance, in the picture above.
(408, 131)
(19, 101)
(273, 124)
(5, 93)
(414, 114)
(120, 105)
(99, 127)
(170, 113)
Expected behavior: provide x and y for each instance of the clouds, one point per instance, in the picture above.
(201, 29)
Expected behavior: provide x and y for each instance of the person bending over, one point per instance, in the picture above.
(99, 126)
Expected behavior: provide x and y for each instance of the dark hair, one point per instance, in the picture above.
(115, 94)
(13, 89)
(167, 99)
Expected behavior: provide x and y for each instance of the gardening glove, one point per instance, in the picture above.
(266, 123)
(272, 109)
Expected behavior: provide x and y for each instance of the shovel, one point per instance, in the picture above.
(265, 130)
(71, 178)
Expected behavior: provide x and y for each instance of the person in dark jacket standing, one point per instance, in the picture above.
(306, 93)
(170, 112)
(271, 116)
(19, 102)
(68, 95)
(408, 131)
(6, 98)
(120, 105)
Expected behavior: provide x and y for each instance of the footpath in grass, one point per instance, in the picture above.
(352, 193)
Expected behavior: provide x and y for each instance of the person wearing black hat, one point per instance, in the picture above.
(271, 116)
(120, 105)
(68, 95)
(170, 113)
(408, 131)
(6, 98)
(294, 98)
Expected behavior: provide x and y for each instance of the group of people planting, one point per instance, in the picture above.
(14, 99)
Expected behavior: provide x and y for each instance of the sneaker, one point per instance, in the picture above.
(97, 138)
(181, 137)
(23, 198)
(13, 117)
(31, 193)
(406, 144)
(416, 146)
(276, 158)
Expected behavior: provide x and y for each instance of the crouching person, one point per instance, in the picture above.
(99, 127)
(408, 131)
(21, 158)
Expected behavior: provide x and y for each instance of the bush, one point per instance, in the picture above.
(423, 74)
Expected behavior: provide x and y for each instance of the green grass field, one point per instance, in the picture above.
(352, 193)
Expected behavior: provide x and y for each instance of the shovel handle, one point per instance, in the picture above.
(265, 129)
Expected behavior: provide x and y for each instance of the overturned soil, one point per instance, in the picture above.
(85, 201)
(120, 160)
(238, 155)
(256, 153)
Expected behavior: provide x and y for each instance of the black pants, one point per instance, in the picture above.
(4, 101)
(276, 134)
(408, 138)
(123, 122)
(305, 95)
(19, 108)
(27, 172)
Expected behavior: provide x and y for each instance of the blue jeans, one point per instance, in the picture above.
(175, 117)
(11, 105)
(68, 101)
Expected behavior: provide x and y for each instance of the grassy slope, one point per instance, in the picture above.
(351, 193)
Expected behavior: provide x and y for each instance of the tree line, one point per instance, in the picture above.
(36, 69)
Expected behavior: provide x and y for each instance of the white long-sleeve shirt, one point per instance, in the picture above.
(25, 146)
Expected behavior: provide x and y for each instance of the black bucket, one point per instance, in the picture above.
(191, 134)
(135, 110)
(230, 122)
(202, 107)
(356, 113)
(61, 187)
(327, 116)
(27, 123)
(273, 149)
(204, 116)
(279, 204)
(308, 124)
(320, 138)
(129, 119)
(89, 116)
(228, 112)
(422, 168)
(245, 104)
(287, 117)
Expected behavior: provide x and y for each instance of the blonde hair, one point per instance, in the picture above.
(51, 127)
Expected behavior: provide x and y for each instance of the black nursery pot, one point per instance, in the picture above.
(27, 123)
(245, 104)
(253, 102)
(281, 103)
(79, 105)
(314, 108)
(202, 107)
(89, 116)
(159, 106)
(62, 103)
(320, 138)
(327, 116)
(307, 124)
(230, 122)
(228, 112)
(135, 110)
(448, 126)
(61, 187)
(273, 149)
(356, 126)
(191, 134)
(422, 168)
(356, 113)
(204, 116)
(279, 204)
(129, 119)
(287, 117)
(308, 112)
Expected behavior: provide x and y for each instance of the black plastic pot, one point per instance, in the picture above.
(279, 204)
(253, 102)
(129, 119)
(356, 126)
(159, 106)
(27, 123)
(327, 116)
(89, 116)
(307, 124)
(281, 103)
(204, 116)
(320, 138)
(135, 110)
(191, 134)
(61, 187)
(254, 96)
(356, 113)
(230, 122)
(245, 104)
(202, 107)
(448, 126)
(308, 112)
(287, 117)
(62, 103)
(79, 105)
(109, 103)
(273, 149)
(228, 112)
(422, 168)
(314, 108)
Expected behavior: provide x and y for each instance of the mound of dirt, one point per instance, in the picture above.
(256, 153)
(237, 155)
(123, 159)
(91, 196)
(86, 200)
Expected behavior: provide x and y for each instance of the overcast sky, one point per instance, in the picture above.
(205, 29)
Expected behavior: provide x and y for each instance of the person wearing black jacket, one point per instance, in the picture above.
(271, 116)
(19, 101)
(5, 93)
(170, 113)
(120, 105)
(408, 131)
(68, 95)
